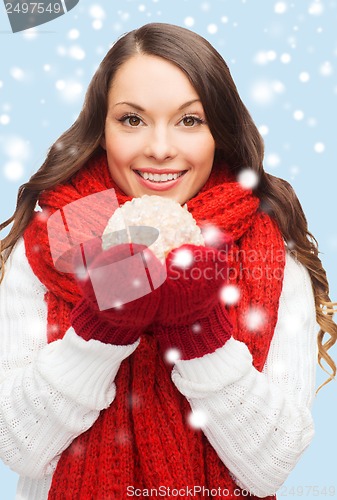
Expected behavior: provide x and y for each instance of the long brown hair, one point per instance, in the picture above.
(237, 139)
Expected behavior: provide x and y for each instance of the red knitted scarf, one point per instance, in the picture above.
(143, 439)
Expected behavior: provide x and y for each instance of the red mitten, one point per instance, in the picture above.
(191, 317)
(119, 301)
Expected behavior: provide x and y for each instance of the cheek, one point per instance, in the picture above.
(204, 154)
(118, 151)
(202, 146)
(122, 147)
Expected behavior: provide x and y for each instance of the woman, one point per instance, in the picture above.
(89, 406)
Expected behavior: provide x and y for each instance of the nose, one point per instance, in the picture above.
(160, 145)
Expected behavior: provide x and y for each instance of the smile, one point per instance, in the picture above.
(149, 176)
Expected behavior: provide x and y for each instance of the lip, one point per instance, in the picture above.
(159, 186)
(158, 171)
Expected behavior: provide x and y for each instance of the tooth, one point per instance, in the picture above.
(160, 177)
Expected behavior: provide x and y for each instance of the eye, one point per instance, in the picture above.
(131, 120)
(191, 120)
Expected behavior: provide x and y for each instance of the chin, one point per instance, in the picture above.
(176, 197)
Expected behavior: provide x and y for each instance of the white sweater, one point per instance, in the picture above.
(259, 423)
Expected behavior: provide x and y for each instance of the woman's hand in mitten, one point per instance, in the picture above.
(118, 300)
(191, 317)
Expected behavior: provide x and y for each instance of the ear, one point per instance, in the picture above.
(102, 143)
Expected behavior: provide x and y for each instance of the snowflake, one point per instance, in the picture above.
(315, 9)
(326, 69)
(4, 119)
(312, 122)
(212, 235)
(61, 50)
(248, 178)
(212, 29)
(285, 58)
(73, 150)
(124, 16)
(97, 12)
(264, 130)
(43, 215)
(59, 145)
(73, 34)
(172, 355)
(229, 294)
(70, 90)
(264, 57)
(196, 328)
(136, 283)
(81, 273)
(60, 84)
(17, 148)
(298, 115)
(294, 170)
(17, 73)
(278, 86)
(76, 52)
(304, 77)
(13, 170)
(54, 328)
(263, 91)
(117, 304)
(292, 42)
(280, 7)
(189, 21)
(122, 437)
(77, 449)
(134, 400)
(254, 318)
(197, 419)
(319, 147)
(97, 24)
(30, 34)
(273, 160)
(183, 258)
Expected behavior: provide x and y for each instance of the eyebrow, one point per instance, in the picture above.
(136, 106)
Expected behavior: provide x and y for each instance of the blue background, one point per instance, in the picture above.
(283, 59)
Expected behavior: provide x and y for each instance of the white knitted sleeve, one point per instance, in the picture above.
(260, 423)
(49, 393)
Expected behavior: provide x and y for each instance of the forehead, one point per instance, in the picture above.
(149, 77)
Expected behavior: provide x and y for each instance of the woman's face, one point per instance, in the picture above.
(156, 137)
